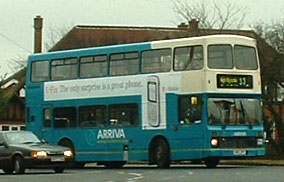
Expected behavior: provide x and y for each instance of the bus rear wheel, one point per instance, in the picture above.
(114, 164)
(162, 154)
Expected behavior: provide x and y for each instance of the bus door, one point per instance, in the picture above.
(153, 101)
(47, 131)
(191, 131)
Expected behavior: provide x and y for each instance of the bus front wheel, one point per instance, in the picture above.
(69, 144)
(211, 163)
(162, 154)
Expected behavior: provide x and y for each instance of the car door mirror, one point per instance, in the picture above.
(3, 144)
(43, 141)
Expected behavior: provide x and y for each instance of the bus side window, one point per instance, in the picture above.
(190, 109)
(93, 66)
(64, 69)
(188, 58)
(123, 115)
(92, 116)
(124, 64)
(156, 61)
(65, 117)
(47, 117)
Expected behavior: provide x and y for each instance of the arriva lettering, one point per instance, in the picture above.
(111, 134)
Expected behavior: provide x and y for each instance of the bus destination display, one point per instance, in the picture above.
(234, 81)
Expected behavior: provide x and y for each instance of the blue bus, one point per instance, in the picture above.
(189, 99)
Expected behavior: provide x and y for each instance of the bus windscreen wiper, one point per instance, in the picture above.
(244, 115)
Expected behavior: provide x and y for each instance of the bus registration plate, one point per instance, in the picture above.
(57, 159)
(240, 152)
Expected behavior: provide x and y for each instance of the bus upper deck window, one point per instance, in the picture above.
(40, 71)
(245, 57)
(93, 66)
(188, 58)
(156, 61)
(220, 57)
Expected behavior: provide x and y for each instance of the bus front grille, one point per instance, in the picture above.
(238, 142)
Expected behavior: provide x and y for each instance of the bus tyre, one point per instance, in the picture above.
(73, 164)
(19, 165)
(114, 165)
(162, 154)
(211, 163)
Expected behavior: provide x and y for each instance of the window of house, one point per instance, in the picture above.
(188, 58)
(93, 66)
(124, 64)
(92, 116)
(5, 128)
(40, 71)
(156, 61)
(65, 117)
(64, 69)
(123, 115)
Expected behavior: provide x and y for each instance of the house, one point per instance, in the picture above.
(12, 117)
(93, 36)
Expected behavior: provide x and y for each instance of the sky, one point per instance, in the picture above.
(16, 20)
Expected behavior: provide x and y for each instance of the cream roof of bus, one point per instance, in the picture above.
(205, 40)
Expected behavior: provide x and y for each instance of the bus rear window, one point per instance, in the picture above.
(40, 71)
(156, 61)
(245, 57)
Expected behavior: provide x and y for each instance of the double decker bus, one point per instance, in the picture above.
(189, 99)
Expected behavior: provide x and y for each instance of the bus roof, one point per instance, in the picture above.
(222, 38)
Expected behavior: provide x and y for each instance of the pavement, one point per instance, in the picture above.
(263, 161)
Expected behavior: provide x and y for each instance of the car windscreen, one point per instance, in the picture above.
(21, 138)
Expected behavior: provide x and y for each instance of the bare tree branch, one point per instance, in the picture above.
(211, 14)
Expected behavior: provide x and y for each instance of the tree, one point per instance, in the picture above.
(272, 71)
(211, 14)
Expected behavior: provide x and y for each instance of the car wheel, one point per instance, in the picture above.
(8, 170)
(19, 165)
(59, 169)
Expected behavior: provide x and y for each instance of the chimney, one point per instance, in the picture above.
(38, 34)
(193, 24)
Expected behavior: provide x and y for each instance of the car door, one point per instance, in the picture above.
(4, 152)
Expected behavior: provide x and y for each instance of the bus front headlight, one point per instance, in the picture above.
(214, 142)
